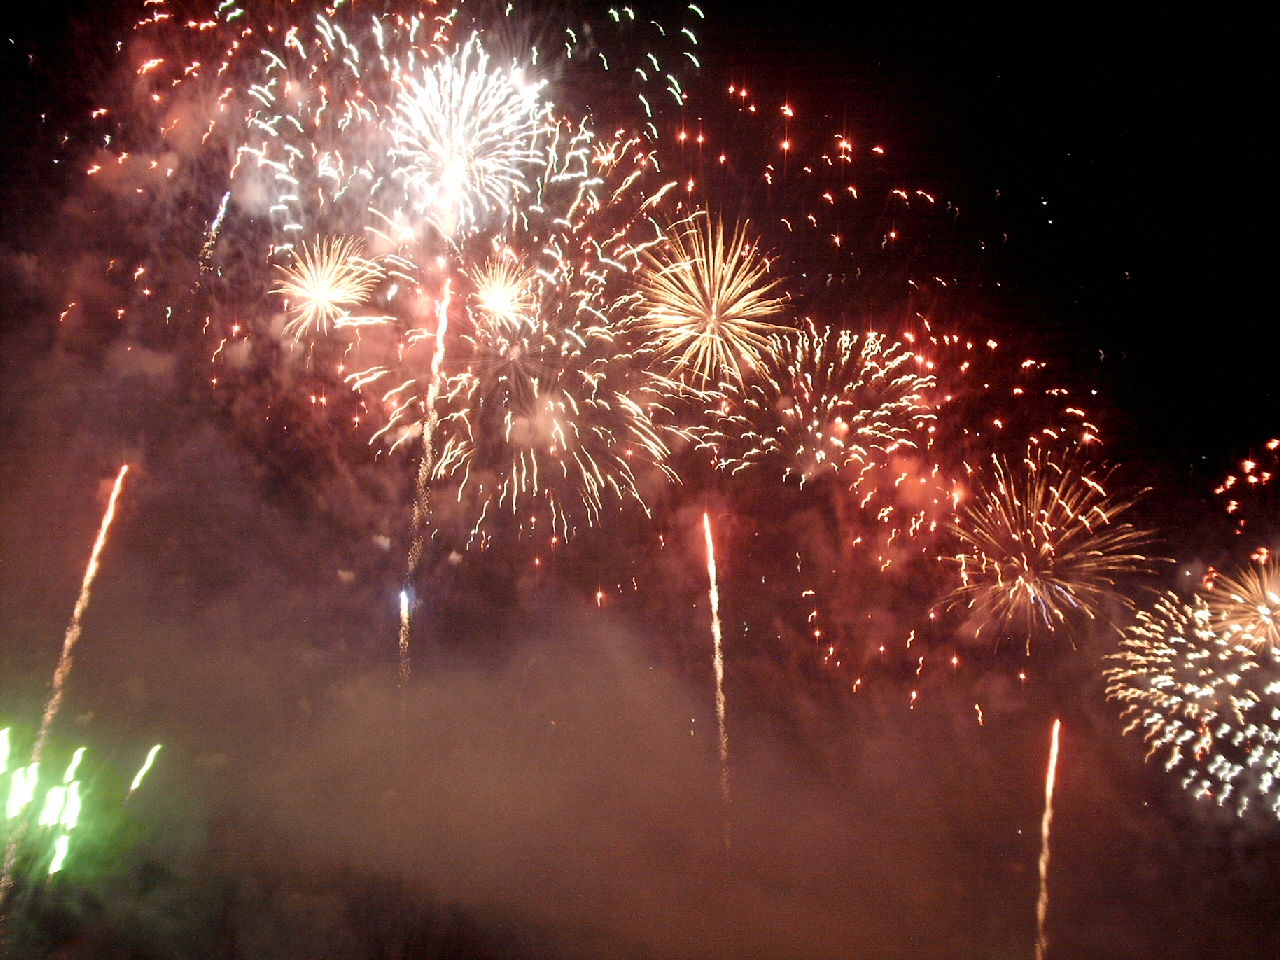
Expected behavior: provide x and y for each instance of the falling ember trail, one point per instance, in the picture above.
(422, 492)
(714, 590)
(1042, 905)
(60, 675)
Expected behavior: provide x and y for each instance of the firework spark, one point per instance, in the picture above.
(705, 299)
(45, 812)
(1042, 902)
(1246, 607)
(540, 404)
(713, 592)
(144, 769)
(1043, 544)
(504, 294)
(323, 281)
(1211, 705)
(1252, 499)
(63, 669)
(541, 413)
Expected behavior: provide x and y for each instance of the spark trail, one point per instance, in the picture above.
(716, 639)
(1042, 904)
(77, 615)
(426, 467)
(62, 671)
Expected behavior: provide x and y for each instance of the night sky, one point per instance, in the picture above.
(547, 784)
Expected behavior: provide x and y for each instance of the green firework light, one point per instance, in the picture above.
(59, 804)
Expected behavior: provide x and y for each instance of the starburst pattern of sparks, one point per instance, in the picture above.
(463, 133)
(1208, 704)
(323, 282)
(1043, 544)
(1246, 607)
(706, 302)
(540, 403)
(503, 294)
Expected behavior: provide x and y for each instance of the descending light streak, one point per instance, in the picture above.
(61, 847)
(1042, 903)
(716, 639)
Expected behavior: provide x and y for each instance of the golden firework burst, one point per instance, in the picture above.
(705, 295)
(324, 281)
(1043, 545)
(1246, 608)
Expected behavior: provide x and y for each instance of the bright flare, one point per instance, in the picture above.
(323, 282)
(1246, 607)
(465, 135)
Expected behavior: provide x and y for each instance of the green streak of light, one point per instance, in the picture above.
(4, 750)
(54, 800)
(71, 767)
(60, 848)
(146, 765)
(71, 809)
(22, 789)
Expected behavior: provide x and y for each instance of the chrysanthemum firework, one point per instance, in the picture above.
(706, 303)
(1246, 606)
(1043, 546)
(542, 411)
(827, 401)
(541, 417)
(1209, 705)
(324, 280)
(465, 134)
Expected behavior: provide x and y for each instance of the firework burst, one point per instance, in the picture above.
(465, 133)
(1246, 607)
(1042, 545)
(706, 298)
(323, 282)
(828, 403)
(503, 296)
(544, 411)
(1209, 705)
(540, 403)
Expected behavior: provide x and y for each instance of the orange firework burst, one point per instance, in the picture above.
(705, 299)
(323, 282)
(1043, 544)
(1246, 608)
